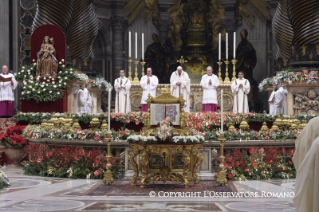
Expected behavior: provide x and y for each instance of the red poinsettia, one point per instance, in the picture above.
(12, 137)
(291, 152)
(97, 172)
(252, 150)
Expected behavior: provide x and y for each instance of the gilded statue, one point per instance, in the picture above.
(47, 64)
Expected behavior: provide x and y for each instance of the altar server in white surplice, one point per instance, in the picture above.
(7, 85)
(240, 88)
(180, 84)
(271, 101)
(85, 102)
(279, 101)
(282, 108)
(122, 86)
(149, 84)
(306, 161)
(209, 84)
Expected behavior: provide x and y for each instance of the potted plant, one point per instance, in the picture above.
(13, 143)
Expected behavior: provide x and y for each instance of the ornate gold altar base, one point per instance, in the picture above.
(162, 162)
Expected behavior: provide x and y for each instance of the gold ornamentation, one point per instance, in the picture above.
(182, 61)
(108, 175)
(244, 126)
(227, 80)
(143, 67)
(220, 72)
(76, 125)
(221, 179)
(234, 61)
(190, 157)
(94, 123)
(136, 80)
(129, 69)
(264, 128)
(231, 128)
(104, 125)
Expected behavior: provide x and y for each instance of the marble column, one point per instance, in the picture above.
(4, 33)
(163, 30)
(117, 46)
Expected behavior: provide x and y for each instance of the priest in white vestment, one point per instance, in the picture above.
(306, 161)
(149, 84)
(180, 84)
(240, 89)
(85, 102)
(209, 84)
(122, 86)
(7, 85)
(304, 141)
(283, 107)
(279, 101)
(271, 100)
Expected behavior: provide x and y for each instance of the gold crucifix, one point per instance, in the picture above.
(182, 61)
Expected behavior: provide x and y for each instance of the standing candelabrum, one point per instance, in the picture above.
(234, 61)
(129, 68)
(221, 179)
(227, 80)
(108, 175)
(136, 81)
(143, 63)
(220, 72)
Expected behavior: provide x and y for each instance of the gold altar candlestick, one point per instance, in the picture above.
(220, 72)
(129, 68)
(108, 175)
(136, 81)
(143, 63)
(227, 80)
(234, 61)
(221, 179)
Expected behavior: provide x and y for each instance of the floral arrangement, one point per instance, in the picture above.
(310, 76)
(188, 139)
(37, 118)
(142, 139)
(176, 139)
(4, 181)
(67, 161)
(13, 138)
(259, 163)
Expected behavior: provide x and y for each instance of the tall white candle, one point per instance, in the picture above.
(219, 46)
(226, 45)
(234, 45)
(135, 45)
(109, 110)
(221, 111)
(142, 46)
(129, 44)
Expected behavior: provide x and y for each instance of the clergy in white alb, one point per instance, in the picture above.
(209, 84)
(282, 108)
(279, 101)
(240, 89)
(7, 85)
(149, 84)
(180, 84)
(122, 86)
(307, 180)
(85, 102)
(304, 141)
(271, 101)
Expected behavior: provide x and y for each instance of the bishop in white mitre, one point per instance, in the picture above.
(306, 161)
(7, 85)
(85, 102)
(149, 84)
(180, 84)
(122, 86)
(240, 88)
(209, 84)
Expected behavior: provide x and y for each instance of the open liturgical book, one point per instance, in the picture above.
(160, 111)
(3, 79)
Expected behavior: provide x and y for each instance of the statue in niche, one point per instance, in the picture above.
(47, 64)
(155, 57)
(246, 56)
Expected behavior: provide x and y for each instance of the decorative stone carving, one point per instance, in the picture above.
(306, 103)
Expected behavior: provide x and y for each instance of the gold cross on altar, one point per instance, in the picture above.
(182, 61)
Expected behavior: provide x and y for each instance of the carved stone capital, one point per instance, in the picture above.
(117, 22)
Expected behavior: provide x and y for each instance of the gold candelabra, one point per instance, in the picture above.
(108, 175)
(221, 179)
(143, 63)
(227, 80)
(136, 81)
(234, 61)
(129, 68)
(220, 72)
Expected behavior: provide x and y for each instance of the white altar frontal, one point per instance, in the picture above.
(195, 96)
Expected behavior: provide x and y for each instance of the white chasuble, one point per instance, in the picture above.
(240, 89)
(6, 88)
(122, 87)
(85, 101)
(209, 90)
(271, 101)
(184, 88)
(148, 88)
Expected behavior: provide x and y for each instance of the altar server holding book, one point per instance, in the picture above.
(122, 87)
(240, 88)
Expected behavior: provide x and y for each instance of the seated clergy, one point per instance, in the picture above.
(85, 102)
(122, 86)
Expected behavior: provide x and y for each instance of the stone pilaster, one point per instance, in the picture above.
(163, 30)
(117, 46)
(4, 33)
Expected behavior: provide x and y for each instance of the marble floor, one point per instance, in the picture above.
(33, 193)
